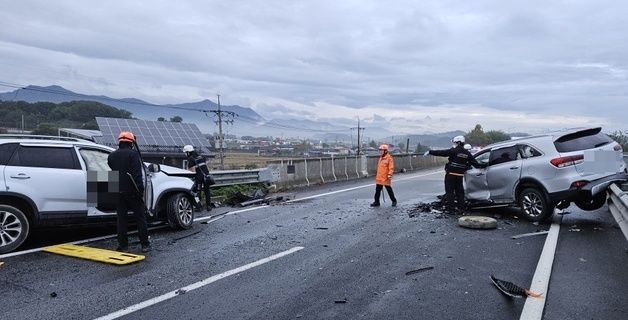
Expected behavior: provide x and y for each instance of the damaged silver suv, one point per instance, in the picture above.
(540, 173)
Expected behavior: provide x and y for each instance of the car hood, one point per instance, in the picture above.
(177, 172)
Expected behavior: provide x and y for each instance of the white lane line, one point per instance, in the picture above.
(533, 308)
(218, 217)
(360, 187)
(194, 286)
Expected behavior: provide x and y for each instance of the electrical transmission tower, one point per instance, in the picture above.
(226, 117)
(360, 129)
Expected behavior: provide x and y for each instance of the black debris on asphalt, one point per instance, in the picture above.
(187, 235)
(411, 272)
(512, 290)
(436, 208)
(53, 295)
(341, 301)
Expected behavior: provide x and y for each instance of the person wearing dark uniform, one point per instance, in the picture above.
(460, 160)
(127, 163)
(203, 179)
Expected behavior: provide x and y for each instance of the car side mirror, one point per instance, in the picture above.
(153, 168)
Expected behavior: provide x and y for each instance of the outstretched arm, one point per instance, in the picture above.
(442, 153)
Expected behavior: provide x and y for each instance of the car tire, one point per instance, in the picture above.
(534, 205)
(593, 203)
(14, 228)
(180, 211)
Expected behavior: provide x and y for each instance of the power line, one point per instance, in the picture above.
(221, 137)
(360, 129)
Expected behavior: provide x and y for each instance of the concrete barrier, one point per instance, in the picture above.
(308, 171)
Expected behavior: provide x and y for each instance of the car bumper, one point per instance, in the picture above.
(591, 189)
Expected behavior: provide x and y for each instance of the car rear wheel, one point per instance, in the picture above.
(180, 211)
(534, 205)
(592, 203)
(14, 228)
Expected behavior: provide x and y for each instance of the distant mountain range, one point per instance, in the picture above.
(247, 121)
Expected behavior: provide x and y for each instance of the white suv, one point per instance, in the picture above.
(52, 181)
(542, 172)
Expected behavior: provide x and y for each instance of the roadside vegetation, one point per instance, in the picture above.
(46, 117)
(621, 137)
(477, 136)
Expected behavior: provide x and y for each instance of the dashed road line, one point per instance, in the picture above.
(196, 285)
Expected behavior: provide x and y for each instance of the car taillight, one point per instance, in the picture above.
(618, 147)
(567, 161)
(579, 184)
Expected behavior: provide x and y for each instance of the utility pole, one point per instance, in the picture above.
(359, 130)
(221, 138)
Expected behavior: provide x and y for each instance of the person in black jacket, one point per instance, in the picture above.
(203, 179)
(127, 163)
(460, 160)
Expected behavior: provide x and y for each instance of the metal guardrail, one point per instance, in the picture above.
(618, 205)
(234, 177)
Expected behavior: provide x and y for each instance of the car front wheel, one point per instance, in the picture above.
(534, 205)
(14, 228)
(180, 211)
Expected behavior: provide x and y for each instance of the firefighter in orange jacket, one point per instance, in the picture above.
(385, 169)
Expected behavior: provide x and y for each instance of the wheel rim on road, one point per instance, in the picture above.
(532, 204)
(10, 228)
(185, 210)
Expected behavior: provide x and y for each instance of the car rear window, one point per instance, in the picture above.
(582, 140)
(45, 157)
(6, 151)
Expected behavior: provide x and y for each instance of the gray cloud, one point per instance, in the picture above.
(534, 57)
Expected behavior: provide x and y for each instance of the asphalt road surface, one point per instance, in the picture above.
(328, 256)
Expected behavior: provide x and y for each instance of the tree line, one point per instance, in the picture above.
(46, 117)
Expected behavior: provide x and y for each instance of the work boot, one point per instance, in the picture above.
(375, 204)
(122, 248)
(146, 248)
(209, 208)
(394, 203)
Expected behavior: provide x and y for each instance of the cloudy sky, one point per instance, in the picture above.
(413, 66)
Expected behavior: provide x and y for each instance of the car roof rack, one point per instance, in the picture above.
(38, 137)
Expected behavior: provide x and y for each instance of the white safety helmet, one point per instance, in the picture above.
(458, 139)
(467, 146)
(188, 148)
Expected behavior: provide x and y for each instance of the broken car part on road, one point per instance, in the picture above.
(512, 290)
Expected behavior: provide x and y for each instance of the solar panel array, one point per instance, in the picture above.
(153, 136)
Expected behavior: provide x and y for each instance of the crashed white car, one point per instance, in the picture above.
(54, 181)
